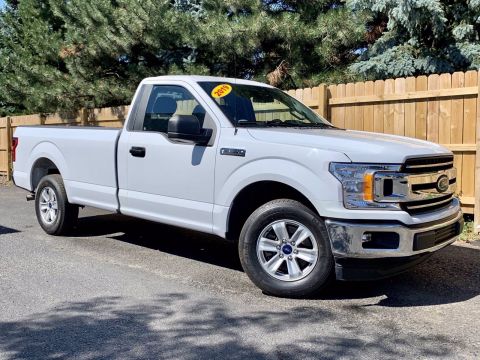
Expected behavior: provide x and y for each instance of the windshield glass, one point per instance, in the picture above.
(257, 106)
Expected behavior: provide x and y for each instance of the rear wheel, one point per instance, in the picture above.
(54, 213)
(285, 250)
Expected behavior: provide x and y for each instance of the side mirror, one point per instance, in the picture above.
(186, 129)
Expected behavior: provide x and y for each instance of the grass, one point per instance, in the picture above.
(468, 235)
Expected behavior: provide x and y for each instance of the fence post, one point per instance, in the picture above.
(84, 116)
(476, 209)
(9, 147)
(323, 101)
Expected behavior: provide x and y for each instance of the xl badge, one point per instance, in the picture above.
(443, 183)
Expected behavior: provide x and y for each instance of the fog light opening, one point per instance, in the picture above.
(380, 240)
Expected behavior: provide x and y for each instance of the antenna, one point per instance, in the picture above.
(235, 120)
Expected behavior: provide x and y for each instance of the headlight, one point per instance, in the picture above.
(358, 184)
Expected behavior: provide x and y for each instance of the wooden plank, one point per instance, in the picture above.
(349, 109)
(323, 100)
(467, 209)
(431, 93)
(368, 109)
(299, 94)
(461, 147)
(399, 109)
(456, 126)
(445, 108)
(467, 200)
(3, 146)
(314, 100)
(26, 120)
(410, 86)
(469, 136)
(433, 110)
(421, 109)
(333, 113)
(389, 109)
(341, 89)
(378, 108)
(477, 164)
(311, 103)
(9, 147)
(359, 91)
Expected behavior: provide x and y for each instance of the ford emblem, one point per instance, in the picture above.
(443, 183)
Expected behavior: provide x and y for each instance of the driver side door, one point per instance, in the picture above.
(168, 181)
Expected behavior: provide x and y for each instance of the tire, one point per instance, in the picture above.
(54, 213)
(261, 250)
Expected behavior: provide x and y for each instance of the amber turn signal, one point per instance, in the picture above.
(368, 187)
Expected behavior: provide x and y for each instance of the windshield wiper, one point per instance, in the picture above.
(247, 123)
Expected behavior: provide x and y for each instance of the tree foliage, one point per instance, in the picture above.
(419, 37)
(57, 54)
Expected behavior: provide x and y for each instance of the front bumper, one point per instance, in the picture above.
(399, 246)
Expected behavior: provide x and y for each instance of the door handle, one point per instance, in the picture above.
(138, 151)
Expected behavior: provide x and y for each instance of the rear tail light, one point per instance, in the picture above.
(14, 148)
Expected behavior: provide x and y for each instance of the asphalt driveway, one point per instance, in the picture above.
(125, 288)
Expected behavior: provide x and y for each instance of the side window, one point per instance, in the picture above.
(166, 101)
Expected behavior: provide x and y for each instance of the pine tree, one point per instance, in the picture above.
(57, 54)
(31, 71)
(419, 37)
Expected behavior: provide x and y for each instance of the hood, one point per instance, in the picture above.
(359, 146)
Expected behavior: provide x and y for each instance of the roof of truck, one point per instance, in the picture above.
(200, 78)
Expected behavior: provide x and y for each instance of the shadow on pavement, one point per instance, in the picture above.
(6, 230)
(168, 239)
(176, 326)
(449, 276)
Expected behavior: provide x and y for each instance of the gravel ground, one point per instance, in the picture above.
(125, 288)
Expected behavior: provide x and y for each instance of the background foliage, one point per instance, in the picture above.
(68, 54)
(419, 37)
(57, 54)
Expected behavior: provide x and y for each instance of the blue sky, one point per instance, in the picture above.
(2, 3)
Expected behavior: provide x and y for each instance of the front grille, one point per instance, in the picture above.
(418, 207)
(425, 172)
(428, 164)
(428, 186)
(435, 237)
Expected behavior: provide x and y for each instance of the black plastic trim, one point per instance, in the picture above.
(353, 269)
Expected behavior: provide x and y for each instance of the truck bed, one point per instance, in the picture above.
(85, 156)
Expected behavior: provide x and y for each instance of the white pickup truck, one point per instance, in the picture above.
(305, 201)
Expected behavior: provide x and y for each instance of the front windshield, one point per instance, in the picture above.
(258, 106)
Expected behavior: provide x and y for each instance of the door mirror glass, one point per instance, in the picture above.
(187, 129)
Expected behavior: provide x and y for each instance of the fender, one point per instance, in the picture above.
(49, 151)
(281, 170)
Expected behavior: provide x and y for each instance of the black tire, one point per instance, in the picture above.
(66, 213)
(285, 209)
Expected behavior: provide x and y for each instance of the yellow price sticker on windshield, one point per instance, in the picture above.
(221, 91)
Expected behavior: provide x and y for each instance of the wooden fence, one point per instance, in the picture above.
(441, 108)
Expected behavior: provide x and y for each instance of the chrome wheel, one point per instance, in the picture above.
(48, 205)
(287, 250)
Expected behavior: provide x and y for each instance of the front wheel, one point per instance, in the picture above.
(54, 213)
(285, 250)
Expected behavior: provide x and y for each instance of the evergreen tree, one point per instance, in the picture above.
(413, 37)
(31, 71)
(57, 54)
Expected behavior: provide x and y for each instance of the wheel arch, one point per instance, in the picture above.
(256, 194)
(41, 167)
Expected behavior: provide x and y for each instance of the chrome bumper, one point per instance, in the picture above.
(346, 237)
